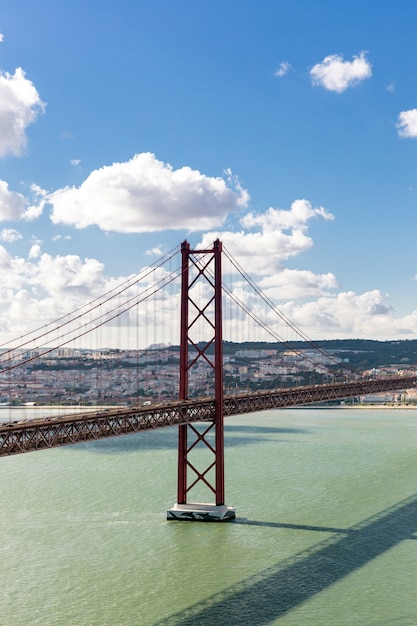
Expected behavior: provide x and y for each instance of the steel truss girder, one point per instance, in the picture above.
(49, 433)
(311, 394)
(29, 436)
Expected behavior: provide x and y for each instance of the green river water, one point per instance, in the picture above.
(325, 533)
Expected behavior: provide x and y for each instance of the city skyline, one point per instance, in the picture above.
(288, 132)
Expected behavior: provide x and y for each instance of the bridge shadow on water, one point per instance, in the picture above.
(167, 438)
(263, 598)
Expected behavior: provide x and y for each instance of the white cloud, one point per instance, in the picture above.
(283, 69)
(407, 123)
(291, 284)
(297, 217)
(146, 195)
(154, 252)
(44, 287)
(59, 237)
(335, 74)
(15, 206)
(311, 301)
(348, 314)
(64, 275)
(34, 251)
(12, 204)
(75, 162)
(38, 199)
(55, 276)
(1, 37)
(284, 233)
(20, 105)
(269, 239)
(10, 235)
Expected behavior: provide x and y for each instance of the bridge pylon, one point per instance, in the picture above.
(201, 344)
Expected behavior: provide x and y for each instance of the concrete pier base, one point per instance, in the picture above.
(192, 512)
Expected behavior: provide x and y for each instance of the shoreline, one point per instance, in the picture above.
(401, 407)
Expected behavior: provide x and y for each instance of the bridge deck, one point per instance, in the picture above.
(28, 436)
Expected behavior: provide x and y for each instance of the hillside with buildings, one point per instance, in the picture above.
(127, 377)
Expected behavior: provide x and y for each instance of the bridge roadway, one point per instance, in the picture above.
(27, 436)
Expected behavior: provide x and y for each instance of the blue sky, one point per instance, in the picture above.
(286, 129)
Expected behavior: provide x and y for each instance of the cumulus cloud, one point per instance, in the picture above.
(291, 284)
(10, 235)
(264, 244)
(336, 74)
(70, 274)
(51, 275)
(311, 301)
(15, 206)
(154, 252)
(36, 203)
(59, 237)
(296, 218)
(283, 233)
(34, 251)
(348, 314)
(43, 287)
(12, 204)
(146, 195)
(407, 123)
(20, 105)
(283, 69)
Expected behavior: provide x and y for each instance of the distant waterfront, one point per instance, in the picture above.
(12, 413)
(108, 377)
(326, 505)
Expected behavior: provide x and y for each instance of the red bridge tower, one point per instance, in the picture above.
(201, 330)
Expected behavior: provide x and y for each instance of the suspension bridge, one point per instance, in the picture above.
(185, 290)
